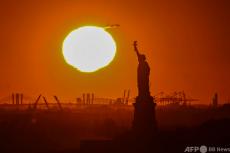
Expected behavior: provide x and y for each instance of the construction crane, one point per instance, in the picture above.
(124, 99)
(36, 102)
(179, 98)
(47, 105)
(58, 102)
(127, 98)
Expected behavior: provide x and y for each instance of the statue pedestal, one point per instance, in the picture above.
(144, 123)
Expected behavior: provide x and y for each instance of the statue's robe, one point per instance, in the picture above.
(143, 78)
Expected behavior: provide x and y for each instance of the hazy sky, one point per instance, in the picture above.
(187, 44)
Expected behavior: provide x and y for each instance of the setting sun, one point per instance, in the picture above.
(89, 48)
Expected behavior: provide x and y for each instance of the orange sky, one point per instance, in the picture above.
(186, 43)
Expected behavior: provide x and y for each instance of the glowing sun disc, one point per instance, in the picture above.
(89, 48)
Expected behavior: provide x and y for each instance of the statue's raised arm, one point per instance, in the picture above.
(135, 48)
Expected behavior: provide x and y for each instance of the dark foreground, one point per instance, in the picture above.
(106, 129)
